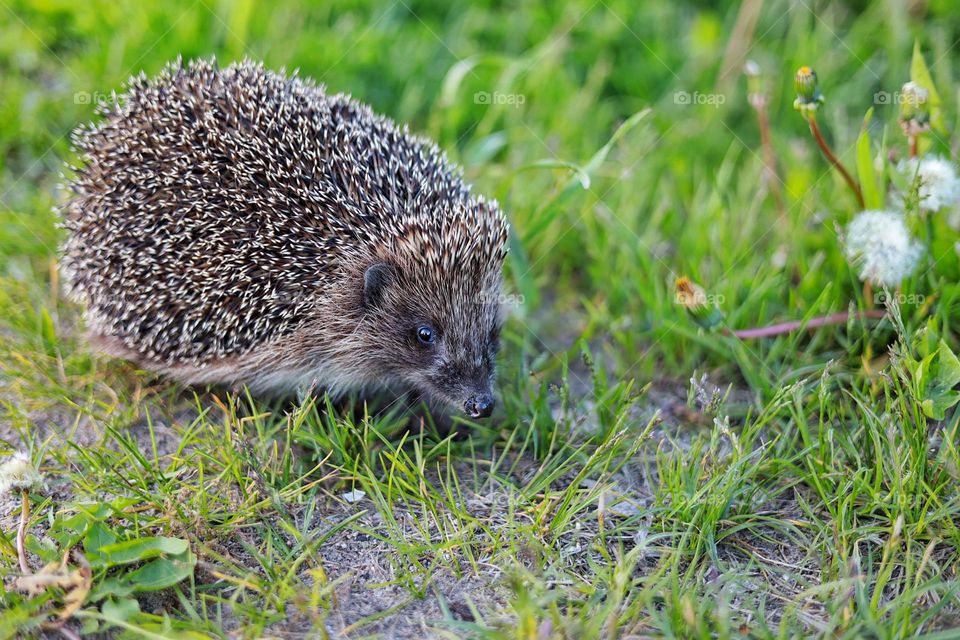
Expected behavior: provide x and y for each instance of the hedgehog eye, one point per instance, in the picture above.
(426, 335)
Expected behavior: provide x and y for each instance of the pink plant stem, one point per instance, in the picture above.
(22, 534)
(67, 633)
(770, 158)
(813, 323)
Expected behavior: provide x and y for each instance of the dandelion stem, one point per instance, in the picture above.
(825, 148)
(912, 141)
(769, 156)
(820, 321)
(22, 533)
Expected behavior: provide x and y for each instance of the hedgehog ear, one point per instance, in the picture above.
(376, 279)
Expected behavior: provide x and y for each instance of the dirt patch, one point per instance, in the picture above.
(368, 568)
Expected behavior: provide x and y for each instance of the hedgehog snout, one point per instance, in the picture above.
(468, 387)
(479, 405)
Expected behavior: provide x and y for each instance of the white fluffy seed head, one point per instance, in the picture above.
(880, 245)
(939, 184)
(17, 473)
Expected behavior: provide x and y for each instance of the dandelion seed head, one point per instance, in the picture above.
(879, 243)
(939, 184)
(17, 473)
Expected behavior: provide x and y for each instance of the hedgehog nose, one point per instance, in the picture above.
(479, 406)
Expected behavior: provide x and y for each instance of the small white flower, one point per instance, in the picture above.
(914, 93)
(18, 473)
(939, 184)
(880, 244)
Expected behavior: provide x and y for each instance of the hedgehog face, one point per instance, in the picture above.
(438, 335)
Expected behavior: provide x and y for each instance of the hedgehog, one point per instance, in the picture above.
(238, 226)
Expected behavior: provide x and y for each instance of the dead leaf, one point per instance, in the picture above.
(75, 581)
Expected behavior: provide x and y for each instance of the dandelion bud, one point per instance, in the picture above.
(809, 97)
(914, 109)
(19, 474)
(914, 101)
(694, 299)
(805, 82)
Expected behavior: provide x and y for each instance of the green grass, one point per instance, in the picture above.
(804, 492)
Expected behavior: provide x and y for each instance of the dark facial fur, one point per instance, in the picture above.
(223, 223)
(432, 316)
(364, 331)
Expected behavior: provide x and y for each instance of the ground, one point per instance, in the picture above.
(648, 472)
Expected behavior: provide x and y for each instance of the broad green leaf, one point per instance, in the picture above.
(936, 406)
(922, 373)
(935, 374)
(120, 610)
(159, 631)
(136, 550)
(68, 531)
(148, 631)
(44, 547)
(926, 341)
(949, 373)
(872, 196)
(116, 587)
(162, 572)
(98, 536)
(89, 627)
